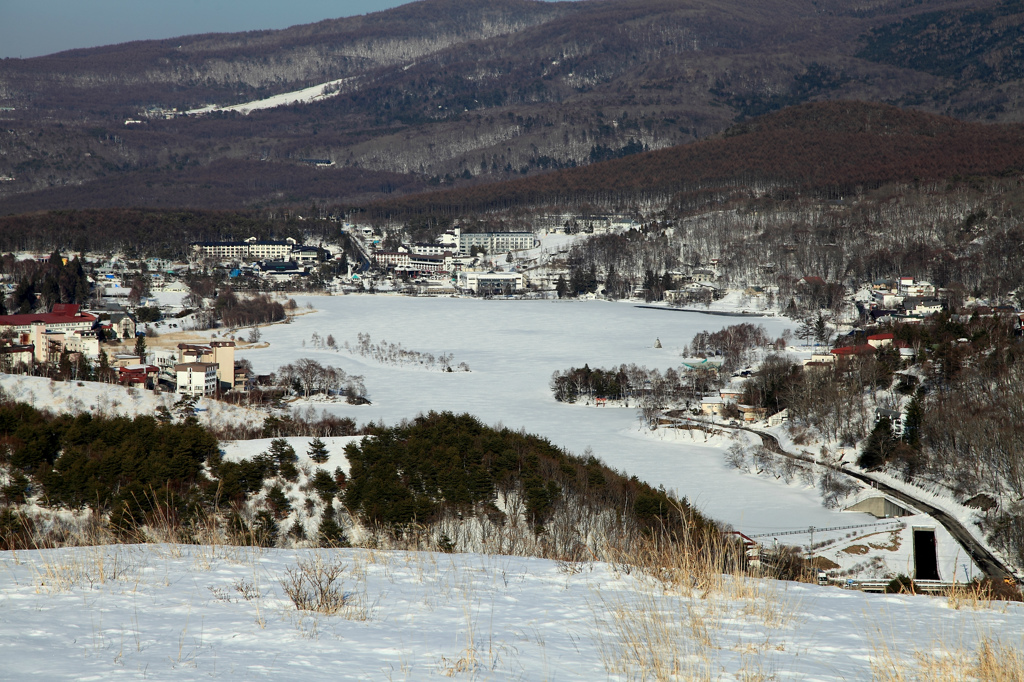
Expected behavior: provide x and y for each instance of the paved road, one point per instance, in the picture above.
(985, 560)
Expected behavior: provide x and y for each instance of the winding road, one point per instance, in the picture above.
(985, 560)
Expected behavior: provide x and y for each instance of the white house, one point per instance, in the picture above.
(196, 378)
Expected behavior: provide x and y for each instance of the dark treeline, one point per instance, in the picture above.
(829, 148)
(43, 284)
(617, 383)
(622, 262)
(117, 465)
(959, 235)
(157, 233)
(418, 471)
(471, 90)
(156, 477)
(734, 346)
(162, 473)
(243, 312)
(224, 185)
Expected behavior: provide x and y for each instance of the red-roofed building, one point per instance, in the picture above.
(849, 351)
(64, 317)
(138, 374)
(879, 340)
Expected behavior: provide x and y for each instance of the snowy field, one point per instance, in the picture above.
(185, 612)
(304, 96)
(113, 400)
(512, 347)
(178, 612)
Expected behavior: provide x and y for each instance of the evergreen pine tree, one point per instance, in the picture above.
(666, 284)
(281, 451)
(279, 503)
(650, 282)
(81, 294)
(577, 282)
(103, 373)
(879, 447)
(821, 330)
(912, 423)
(49, 291)
(561, 288)
(64, 365)
(611, 282)
(140, 348)
(330, 534)
(317, 451)
(23, 300)
(263, 530)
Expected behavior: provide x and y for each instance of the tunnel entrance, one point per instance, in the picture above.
(925, 559)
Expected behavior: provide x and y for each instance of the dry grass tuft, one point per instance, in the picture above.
(317, 585)
(65, 570)
(671, 625)
(990, 661)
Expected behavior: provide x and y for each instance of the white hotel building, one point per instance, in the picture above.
(250, 249)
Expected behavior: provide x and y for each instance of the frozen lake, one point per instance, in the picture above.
(512, 348)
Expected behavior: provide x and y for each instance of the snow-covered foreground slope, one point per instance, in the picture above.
(182, 612)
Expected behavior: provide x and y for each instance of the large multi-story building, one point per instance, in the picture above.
(490, 242)
(250, 249)
(429, 249)
(220, 354)
(396, 259)
(422, 263)
(63, 317)
(197, 378)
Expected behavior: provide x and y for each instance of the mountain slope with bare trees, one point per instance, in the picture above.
(449, 93)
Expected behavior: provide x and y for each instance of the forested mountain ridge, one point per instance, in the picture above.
(452, 93)
(830, 148)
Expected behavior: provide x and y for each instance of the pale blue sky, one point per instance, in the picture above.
(29, 28)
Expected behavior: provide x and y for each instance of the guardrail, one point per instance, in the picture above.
(920, 586)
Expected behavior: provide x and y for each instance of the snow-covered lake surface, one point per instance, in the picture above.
(181, 612)
(512, 347)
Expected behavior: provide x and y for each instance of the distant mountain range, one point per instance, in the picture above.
(460, 93)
